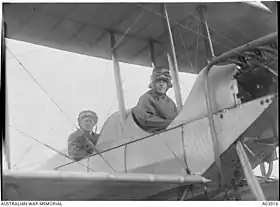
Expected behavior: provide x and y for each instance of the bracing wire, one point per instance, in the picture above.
(197, 46)
(118, 42)
(102, 157)
(42, 88)
(127, 31)
(216, 42)
(185, 48)
(183, 165)
(29, 164)
(217, 32)
(24, 154)
(196, 32)
(185, 27)
(103, 85)
(107, 162)
(25, 53)
(223, 36)
(122, 37)
(46, 145)
(181, 25)
(49, 147)
(34, 79)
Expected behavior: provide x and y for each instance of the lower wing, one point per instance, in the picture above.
(58, 185)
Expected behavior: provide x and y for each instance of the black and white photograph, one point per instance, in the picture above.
(139, 101)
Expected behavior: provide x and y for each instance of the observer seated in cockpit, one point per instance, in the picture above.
(81, 143)
(155, 110)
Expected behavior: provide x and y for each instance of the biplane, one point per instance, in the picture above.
(226, 127)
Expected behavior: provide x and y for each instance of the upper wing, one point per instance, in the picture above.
(84, 28)
(55, 185)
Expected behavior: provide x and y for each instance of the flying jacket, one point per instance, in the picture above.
(154, 112)
(79, 145)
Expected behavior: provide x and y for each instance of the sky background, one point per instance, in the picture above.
(75, 82)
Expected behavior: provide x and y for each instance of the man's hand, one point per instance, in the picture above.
(88, 145)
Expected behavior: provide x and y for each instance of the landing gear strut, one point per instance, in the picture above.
(253, 183)
(266, 174)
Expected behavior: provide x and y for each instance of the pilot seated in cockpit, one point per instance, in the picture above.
(81, 143)
(155, 110)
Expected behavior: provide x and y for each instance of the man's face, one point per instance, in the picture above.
(87, 124)
(160, 86)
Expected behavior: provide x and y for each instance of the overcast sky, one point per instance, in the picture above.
(75, 82)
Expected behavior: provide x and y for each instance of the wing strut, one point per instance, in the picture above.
(249, 174)
(118, 79)
(210, 55)
(152, 50)
(206, 34)
(6, 138)
(254, 186)
(172, 60)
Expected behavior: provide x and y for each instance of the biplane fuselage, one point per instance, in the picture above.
(205, 138)
(187, 141)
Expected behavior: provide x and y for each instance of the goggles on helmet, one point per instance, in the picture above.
(89, 114)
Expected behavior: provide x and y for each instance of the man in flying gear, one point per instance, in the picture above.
(81, 143)
(155, 110)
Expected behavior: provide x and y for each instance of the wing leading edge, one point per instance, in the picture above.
(55, 185)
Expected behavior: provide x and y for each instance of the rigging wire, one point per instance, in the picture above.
(184, 27)
(183, 165)
(42, 88)
(30, 164)
(53, 102)
(197, 46)
(117, 44)
(217, 32)
(200, 34)
(128, 30)
(181, 25)
(25, 53)
(245, 34)
(50, 147)
(102, 157)
(142, 138)
(122, 37)
(223, 36)
(185, 48)
(120, 40)
(24, 154)
(27, 165)
(34, 79)
(46, 145)
(103, 85)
